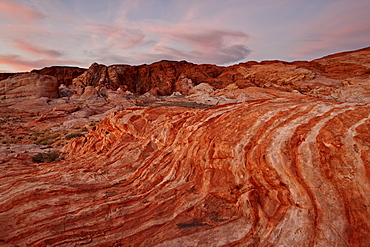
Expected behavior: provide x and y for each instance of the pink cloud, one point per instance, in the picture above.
(24, 64)
(328, 33)
(18, 12)
(336, 40)
(16, 62)
(114, 36)
(202, 45)
(34, 50)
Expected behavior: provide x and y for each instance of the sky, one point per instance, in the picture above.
(40, 33)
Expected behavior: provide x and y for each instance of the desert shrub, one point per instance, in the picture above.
(188, 105)
(74, 135)
(37, 133)
(9, 141)
(59, 143)
(48, 140)
(45, 157)
(45, 141)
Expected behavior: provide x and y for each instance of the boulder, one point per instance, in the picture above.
(98, 117)
(83, 112)
(184, 85)
(64, 91)
(118, 99)
(75, 123)
(29, 85)
(201, 89)
(89, 93)
(148, 96)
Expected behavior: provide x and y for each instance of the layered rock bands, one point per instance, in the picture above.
(278, 172)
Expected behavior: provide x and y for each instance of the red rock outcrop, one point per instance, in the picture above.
(29, 84)
(278, 172)
(165, 76)
(280, 169)
(320, 78)
(345, 64)
(3, 76)
(64, 74)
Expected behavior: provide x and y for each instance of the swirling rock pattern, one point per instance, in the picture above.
(278, 172)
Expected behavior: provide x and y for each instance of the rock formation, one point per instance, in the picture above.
(321, 78)
(64, 74)
(165, 77)
(344, 65)
(29, 85)
(3, 76)
(268, 172)
(282, 160)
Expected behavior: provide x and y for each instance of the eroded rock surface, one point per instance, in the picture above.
(322, 78)
(29, 85)
(268, 172)
(64, 74)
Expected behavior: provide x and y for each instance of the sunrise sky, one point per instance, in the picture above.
(39, 33)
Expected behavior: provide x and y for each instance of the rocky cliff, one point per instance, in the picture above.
(161, 78)
(64, 74)
(165, 77)
(323, 78)
(3, 76)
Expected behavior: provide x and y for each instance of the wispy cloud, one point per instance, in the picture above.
(114, 36)
(201, 45)
(27, 39)
(35, 50)
(20, 63)
(335, 41)
(33, 32)
(108, 56)
(18, 12)
(15, 62)
(339, 27)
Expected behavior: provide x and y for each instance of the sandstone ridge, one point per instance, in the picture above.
(322, 78)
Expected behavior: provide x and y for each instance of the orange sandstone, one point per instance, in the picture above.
(278, 172)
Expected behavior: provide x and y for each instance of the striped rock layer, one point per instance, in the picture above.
(259, 173)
